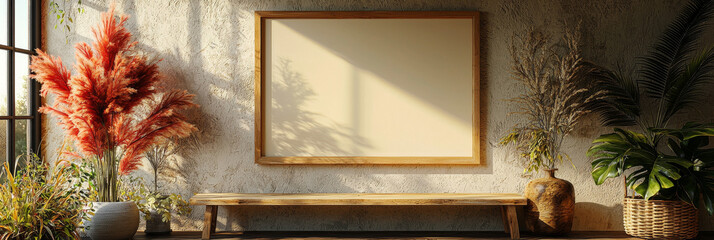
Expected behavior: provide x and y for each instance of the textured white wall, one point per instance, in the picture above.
(207, 47)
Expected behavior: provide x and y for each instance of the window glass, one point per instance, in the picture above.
(22, 72)
(3, 143)
(22, 24)
(21, 137)
(3, 83)
(3, 22)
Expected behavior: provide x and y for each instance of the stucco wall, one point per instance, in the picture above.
(207, 48)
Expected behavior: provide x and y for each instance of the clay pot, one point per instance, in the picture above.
(551, 205)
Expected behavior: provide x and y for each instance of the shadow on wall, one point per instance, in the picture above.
(399, 64)
(179, 69)
(316, 133)
(597, 217)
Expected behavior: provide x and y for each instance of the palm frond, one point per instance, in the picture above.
(621, 105)
(664, 63)
(687, 88)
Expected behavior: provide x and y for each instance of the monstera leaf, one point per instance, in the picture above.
(616, 152)
(697, 181)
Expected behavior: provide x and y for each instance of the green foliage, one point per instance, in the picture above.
(621, 107)
(688, 144)
(672, 75)
(686, 172)
(65, 14)
(42, 202)
(106, 176)
(535, 148)
(133, 189)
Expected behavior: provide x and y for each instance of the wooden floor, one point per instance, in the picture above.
(390, 235)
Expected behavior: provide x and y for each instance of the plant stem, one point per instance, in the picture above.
(106, 178)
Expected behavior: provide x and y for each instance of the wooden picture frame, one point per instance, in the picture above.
(261, 104)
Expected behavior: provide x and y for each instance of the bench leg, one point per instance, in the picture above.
(504, 217)
(209, 221)
(512, 222)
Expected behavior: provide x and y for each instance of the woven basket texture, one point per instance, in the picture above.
(660, 219)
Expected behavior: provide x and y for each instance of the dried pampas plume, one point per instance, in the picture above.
(558, 92)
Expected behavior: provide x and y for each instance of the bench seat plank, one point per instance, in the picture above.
(507, 201)
(366, 199)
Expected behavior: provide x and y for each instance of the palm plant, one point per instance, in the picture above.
(671, 75)
(670, 80)
(97, 105)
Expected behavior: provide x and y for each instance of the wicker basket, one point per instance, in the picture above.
(660, 219)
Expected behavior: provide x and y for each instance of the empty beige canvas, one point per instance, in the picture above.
(369, 87)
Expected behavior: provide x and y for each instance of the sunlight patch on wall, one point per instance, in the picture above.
(356, 87)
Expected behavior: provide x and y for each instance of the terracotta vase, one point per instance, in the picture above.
(551, 205)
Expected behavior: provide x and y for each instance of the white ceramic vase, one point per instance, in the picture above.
(113, 221)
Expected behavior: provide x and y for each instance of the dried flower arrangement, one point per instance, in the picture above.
(97, 105)
(557, 95)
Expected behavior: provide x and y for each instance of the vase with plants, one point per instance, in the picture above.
(669, 169)
(556, 96)
(157, 206)
(97, 107)
(41, 200)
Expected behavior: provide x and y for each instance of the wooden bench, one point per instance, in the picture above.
(507, 201)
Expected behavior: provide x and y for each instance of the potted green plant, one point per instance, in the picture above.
(157, 206)
(556, 96)
(42, 201)
(97, 108)
(668, 168)
(672, 182)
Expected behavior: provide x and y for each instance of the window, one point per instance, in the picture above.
(19, 99)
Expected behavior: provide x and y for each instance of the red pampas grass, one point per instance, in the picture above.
(97, 105)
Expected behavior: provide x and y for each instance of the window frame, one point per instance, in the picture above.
(33, 117)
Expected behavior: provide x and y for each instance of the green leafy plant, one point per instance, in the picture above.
(685, 171)
(43, 202)
(556, 96)
(65, 14)
(672, 77)
(158, 157)
(697, 179)
(133, 189)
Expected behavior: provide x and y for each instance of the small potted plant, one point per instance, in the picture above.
(669, 169)
(556, 97)
(156, 206)
(97, 108)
